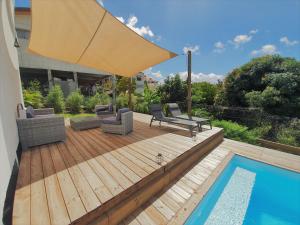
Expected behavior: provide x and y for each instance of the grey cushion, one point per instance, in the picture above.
(111, 120)
(174, 109)
(120, 111)
(156, 111)
(29, 112)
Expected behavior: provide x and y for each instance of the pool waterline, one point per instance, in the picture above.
(272, 198)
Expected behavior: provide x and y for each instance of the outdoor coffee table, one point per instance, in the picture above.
(83, 123)
(198, 120)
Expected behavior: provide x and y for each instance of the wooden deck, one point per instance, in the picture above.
(92, 173)
(177, 201)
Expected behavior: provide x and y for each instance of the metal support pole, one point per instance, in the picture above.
(189, 83)
(129, 93)
(114, 94)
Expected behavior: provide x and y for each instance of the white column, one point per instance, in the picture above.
(76, 79)
(50, 79)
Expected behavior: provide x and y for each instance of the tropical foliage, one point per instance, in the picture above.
(74, 102)
(55, 99)
(97, 99)
(32, 95)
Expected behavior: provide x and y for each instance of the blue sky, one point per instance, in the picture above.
(222, 33)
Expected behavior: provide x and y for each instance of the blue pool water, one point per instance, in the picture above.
(249, 192)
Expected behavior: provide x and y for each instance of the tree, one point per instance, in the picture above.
(203, 93)
(123, 84)
(173, 90)
(270, 82)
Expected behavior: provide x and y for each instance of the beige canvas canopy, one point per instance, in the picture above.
(82, 32)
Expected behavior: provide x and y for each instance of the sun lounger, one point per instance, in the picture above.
(175, 112)
(158, 115)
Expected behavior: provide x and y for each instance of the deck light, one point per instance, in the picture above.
(159, 158)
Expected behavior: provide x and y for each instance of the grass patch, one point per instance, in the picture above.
(70, 115)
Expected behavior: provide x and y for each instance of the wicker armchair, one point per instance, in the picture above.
(44, 128)
(122, 124)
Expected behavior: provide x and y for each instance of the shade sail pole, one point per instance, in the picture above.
(114, 94)
(189, 83)
(129, 93)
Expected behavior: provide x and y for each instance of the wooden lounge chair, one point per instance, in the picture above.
(175, 112)
(158, 115)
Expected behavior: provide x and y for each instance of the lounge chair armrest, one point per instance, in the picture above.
(41, 122)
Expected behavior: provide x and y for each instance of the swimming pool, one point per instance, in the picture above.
(249, 192)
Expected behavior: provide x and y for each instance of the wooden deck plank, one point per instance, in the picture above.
(95, 182)
(124, 152)
(73, 201)
(76, 191)
(118, 164)
(113, 186)
(21, 210)
(56, 203)
(38, 204)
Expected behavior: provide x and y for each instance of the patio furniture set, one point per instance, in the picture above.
(42, 126)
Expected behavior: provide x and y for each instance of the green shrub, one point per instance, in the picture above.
(32, 95)
(200, 113)
(236, 131)
(33, 98)
(290, 135)
(55, 99)
(143, 101)
(97, 99)
(122, 100)
(74, 102)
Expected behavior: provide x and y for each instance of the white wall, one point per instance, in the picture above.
(10, 96)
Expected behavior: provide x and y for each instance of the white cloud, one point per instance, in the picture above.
(200, 77)
(288, 42)
(194, 49)
(131, 23)
(241, 39)
(121, 19)
(254, 31)
(150, 72)
(157, 74)
(219, 47)
(100, 2)
(265, 50)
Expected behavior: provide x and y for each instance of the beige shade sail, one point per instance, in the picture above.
(82, 32)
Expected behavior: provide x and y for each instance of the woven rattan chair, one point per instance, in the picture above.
(121, 124)
(45, 127)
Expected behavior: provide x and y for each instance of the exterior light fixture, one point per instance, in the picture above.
(16, 44)
(159, 158)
